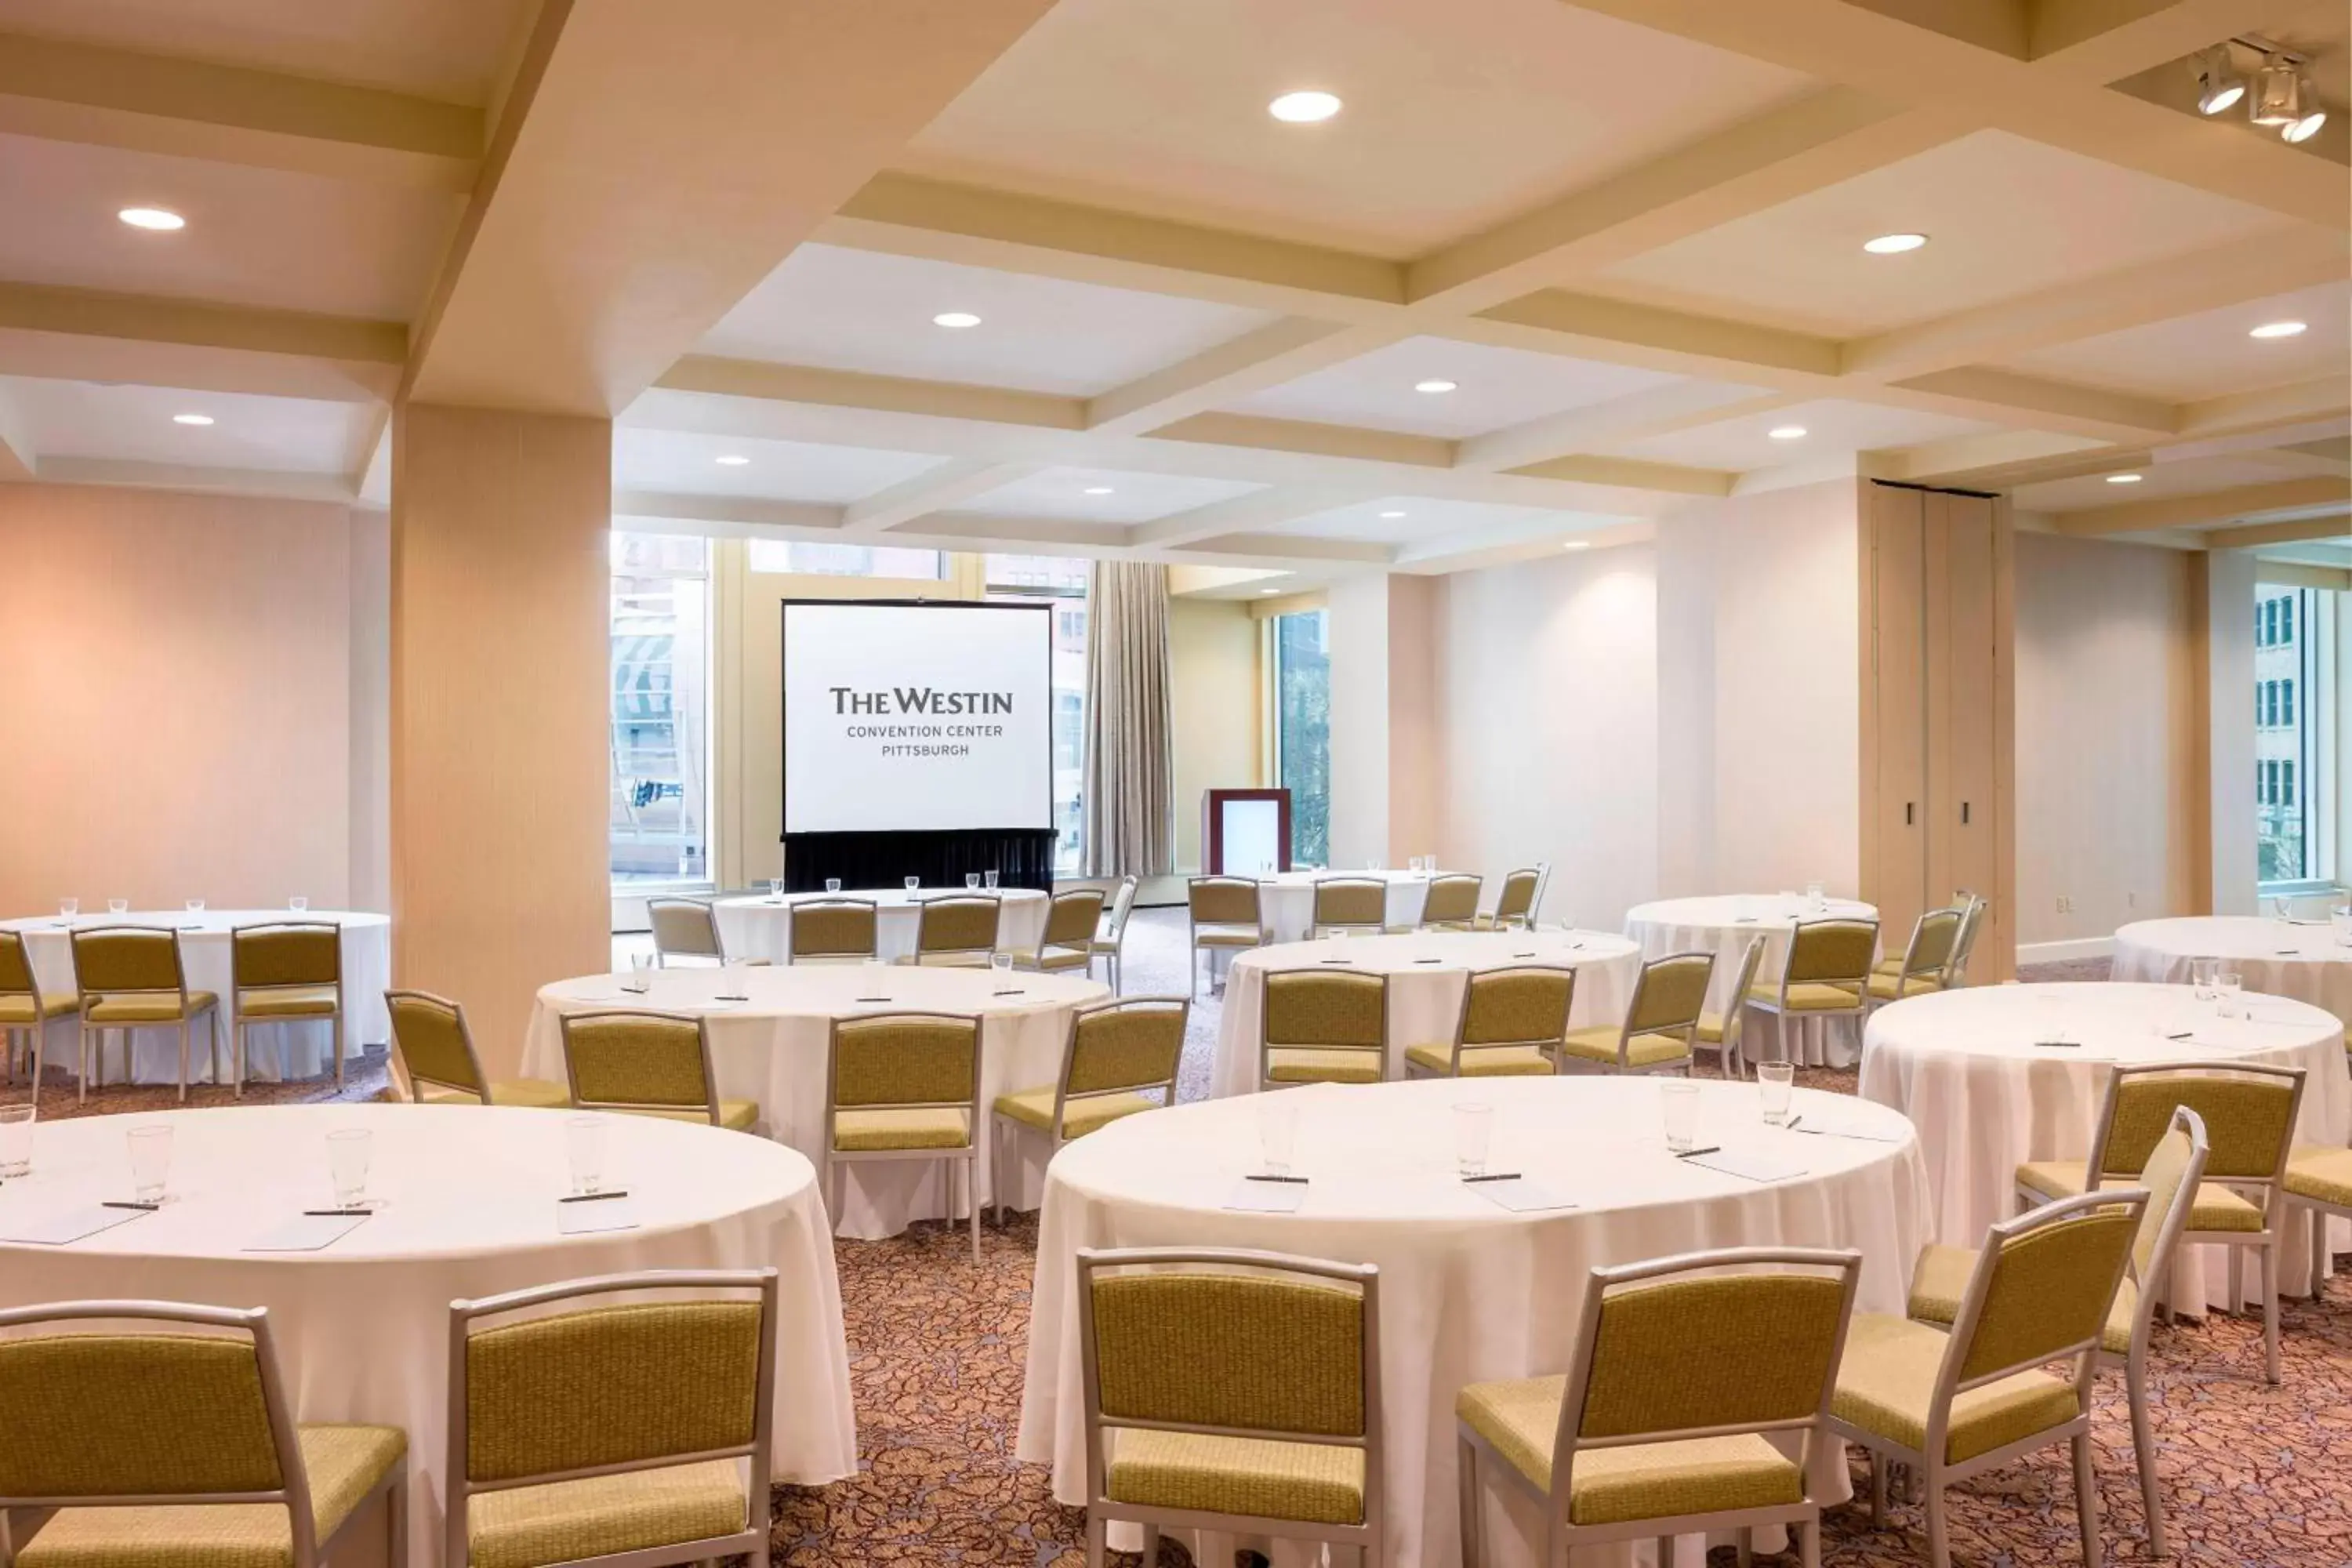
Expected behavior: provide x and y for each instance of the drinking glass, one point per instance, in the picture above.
(971, 880)
(833, 884)
(1774, 1081)
(298, 903)
(16, 1139)
(2342, 921)
(2229, 988)
(1474, 1123)
(913, 882)
(990, 879)
(69, 907)
(1277, 1126)
(2201, 972)
(1813, 899)
(583, 1142)
(640, 979)
(196, 906)
(117, 906)
(776, 887)
(1678, 1106)
(150, 1161)
(348, 1152)
(1001, 963)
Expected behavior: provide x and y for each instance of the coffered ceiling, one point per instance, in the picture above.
(1549, 270)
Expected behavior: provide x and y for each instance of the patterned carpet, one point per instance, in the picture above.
(2258, 1478)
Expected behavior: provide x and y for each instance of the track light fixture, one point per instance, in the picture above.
(2219, 85)
(2277, 93)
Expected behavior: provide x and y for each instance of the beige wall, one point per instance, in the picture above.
(1359, 633)
(2230, 639)
(1215, 696)
(1416, 755)
(2106, 741)
(178, 698)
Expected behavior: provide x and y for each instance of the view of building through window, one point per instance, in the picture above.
(779, 555)
(2289, 672)
(1302, 723)
(660, 730)
(1060, 581)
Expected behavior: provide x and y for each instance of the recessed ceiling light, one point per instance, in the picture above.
(1576, 544)
(1391, 516)
(2278, 330)
(191, 419)
(1439, 384)
(156, 218)
(955, 319)
(1786, 432)
(731, 461)
(1894, 243)
(1270, 590)
(2125, 479)
(1304, 108)
(1097, 489)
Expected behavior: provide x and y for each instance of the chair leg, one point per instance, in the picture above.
(2318, 1217)
(2087, 1500)
(1665, 1551)
(1094, 1543)
(2237, 1280)
(1809, 1543)
(1939, 1548)
(1151, 1546)
(339, 1050)
(1746, 1548)
(1877, 1490)
(1465, 1476)
(184, 1061)
(971, 1198)
(2270, 1312)
(395, 1507)
(2143, 1450)
(81, 1067)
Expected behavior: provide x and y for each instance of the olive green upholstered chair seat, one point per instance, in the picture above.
(1684, 1372)
(25, 1007)
(735, 1115)
(565, 1521)
(35, 1008)
(936, 1127)
(1224, 916)
(529, 1092)
(146, 1007)
(1886, 1384)
(1034, 1109)
(2216, 1206)
(1661, 1023)
(1808, 996)
(1510, 1025)
(435, 1047)
(1118, 1058)
(1516, 906)
(1200, 1472)
(288, 1001)
(1323, 1026)
(1926, 962)
(905, 1085)
(648, 1064)
(2319, 1181)
(1288, 1065)
(1493, 1061)
(1600, 1043)
(1071, 922)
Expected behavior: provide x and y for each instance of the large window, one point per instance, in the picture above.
(779, 555)
(2294, 662)
(1061, 582)
(1302, 731)
(660, 731)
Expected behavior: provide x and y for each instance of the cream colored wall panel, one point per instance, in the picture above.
(1215, 696)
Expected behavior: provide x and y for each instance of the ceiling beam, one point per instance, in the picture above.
(2213, 506)
(275, 483)
(1660, 411)
(2303, 574)
(1255, 512)
(953, 482)
(191, 109)
(2333, 525)
(89, 313)
(1279, 352)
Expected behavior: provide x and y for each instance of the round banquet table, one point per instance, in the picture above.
(469, 1209)
(2307, 960)
(762, 927)
(1966, 1067)
(273, 1052)
(1427, 972)
(772, 1048)
(1469, 1292)
(1287, 899)
(1723, 925)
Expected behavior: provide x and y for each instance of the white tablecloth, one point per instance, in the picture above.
(1468, 1290)
(1425, 996)
(760, 927)
(1965, 1066)
(2282, 958)
(1724, 925)
(773, 1049)
(469, 1210)
(273, 1052)
(1287, 899)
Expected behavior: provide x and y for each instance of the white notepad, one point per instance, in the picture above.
(306, 1233)
(600, 1214)
(1266, 1197)
(1831, 1127)
(59, 1229)
(1751, 1166)
(1519, 1195)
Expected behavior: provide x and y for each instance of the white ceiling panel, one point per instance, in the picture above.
(2189, 476)
(778, 470)
(134, 423)
(1061, 494)
(2210, 355)
(1831, 428)
(1494, 387)
(1423, 520)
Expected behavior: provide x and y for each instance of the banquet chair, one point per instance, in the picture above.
(2319, 1181)
(648, 1064)
(134, 978)
(1723, 1031)
(1116, 1057)
(629, 1435)
(1323, 1026)
(1521, 896)
(905, 1085)
(958, 931)
(688, 928)
(1510, 1025)
(1661, 1026)
(1232, 1390)
(26, 1008)
(175, 1446)
(1349, 904)
(1947, 1406)
(1109, 944)
(1226, 917)
(284, 972)
(1826, 975)
(834, 931)
(1451, 902)
(2171, 1173)
(1926, 962)
(1973, 910)
(1682, 1367)
(2249, 1110)
(435, 1046)
(1071, 922)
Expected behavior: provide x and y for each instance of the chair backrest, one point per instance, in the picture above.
(1131, 1044)
(609, 1389)
(1073, 917)
(903, 1061)
(684, 928)
(1735, 1010)
(1122, 905)
(1222, 900)
(429, 1033)
(1973, 908)
(127, 958)
(1323, 1008)
(961, 922)
(1669, 994)
(1231, 1342)
(2174, 1168)
(1709, 1343)
(1516, 901)
(1526, 1005)
(834, 927)
(2041, 1291)
(1351, 901)
(1832, 952)
(16, 965)
(650, 1061)
(286, 952)
(1451, 899)
(194, 1413)
(2249, 1110)
(1935, 938)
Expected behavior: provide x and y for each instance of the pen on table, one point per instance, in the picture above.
(1791, 1122)
(1297, 1181)
(1710, 1149)
(126, 1203)
(593, 1197)
(334, 1214)
(1498, 1176)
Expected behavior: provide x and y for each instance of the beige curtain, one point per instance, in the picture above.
(1130, 784)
